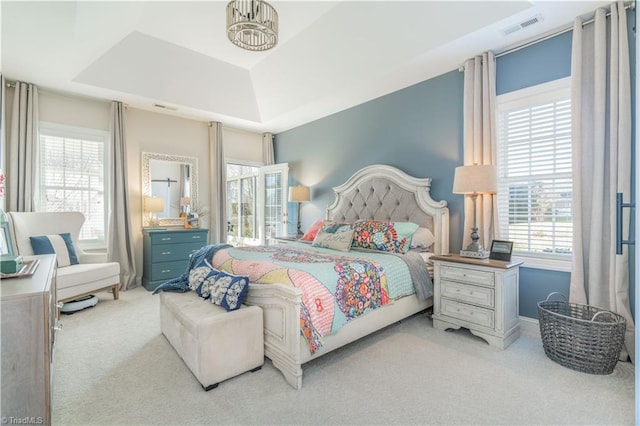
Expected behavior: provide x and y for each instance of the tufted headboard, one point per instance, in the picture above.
(381, 192)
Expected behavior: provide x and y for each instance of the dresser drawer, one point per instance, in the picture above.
(168, 252)
(168, 270)
(472, 314)
(179, 237)
(481, 296)
(467, 276)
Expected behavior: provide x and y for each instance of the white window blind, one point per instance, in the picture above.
(534, 169)
(72, 176)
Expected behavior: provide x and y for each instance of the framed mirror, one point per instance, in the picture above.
(174, 180)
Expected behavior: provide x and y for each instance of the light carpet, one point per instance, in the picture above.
(113, 366)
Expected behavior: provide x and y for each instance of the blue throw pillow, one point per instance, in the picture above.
(201, 278)
(61, 245)
(229, 291)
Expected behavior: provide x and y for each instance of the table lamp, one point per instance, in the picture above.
(153, 205)
(299, 194)
(475, 180)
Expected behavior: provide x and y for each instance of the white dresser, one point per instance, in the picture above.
(29, 323)
(478, 294)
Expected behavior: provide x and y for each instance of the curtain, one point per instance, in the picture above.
(268, 156)
(3, 142)
(601, 116)
(480, 141)
(120, 235)
(23, 149)
(218, 225)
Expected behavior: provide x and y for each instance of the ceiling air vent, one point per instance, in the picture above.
(165, 107)
(522, 25)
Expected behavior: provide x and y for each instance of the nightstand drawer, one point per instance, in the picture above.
(464, 275)
(472, 314)
(481, 296)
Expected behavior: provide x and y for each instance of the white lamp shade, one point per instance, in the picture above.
(476, 179)
(153, 204)
(299, 194)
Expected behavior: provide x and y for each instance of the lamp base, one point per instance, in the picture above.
(481, 254)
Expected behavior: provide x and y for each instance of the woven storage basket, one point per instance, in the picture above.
(581, 337)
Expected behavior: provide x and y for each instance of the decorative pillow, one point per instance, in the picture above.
(423, 238)
(340, 240)
(61, 245)
(229, 291)
(313, 230)
(329, 226)
(394, 237)
(201, 277)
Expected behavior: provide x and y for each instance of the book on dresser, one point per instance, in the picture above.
(166, 253)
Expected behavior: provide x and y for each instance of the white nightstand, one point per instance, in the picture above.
(478, 294)
(285, 239)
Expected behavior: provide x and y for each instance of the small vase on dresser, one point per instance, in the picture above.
(167, 251)
(478, 294)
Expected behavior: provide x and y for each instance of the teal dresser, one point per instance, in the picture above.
(166, 253)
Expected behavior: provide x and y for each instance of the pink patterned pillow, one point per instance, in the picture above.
(311, 233)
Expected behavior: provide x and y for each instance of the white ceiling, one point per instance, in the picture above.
(331, 55)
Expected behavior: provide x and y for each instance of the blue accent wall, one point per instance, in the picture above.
(545, 61)
(417, 129)
(420, 129)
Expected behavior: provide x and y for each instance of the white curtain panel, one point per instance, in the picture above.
(218, 225)
(601, 108)
(268, 155)
(480, 141)
(23, 149)
(120, 236)
(3, 145)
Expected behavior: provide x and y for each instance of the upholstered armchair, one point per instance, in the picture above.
(91, 274)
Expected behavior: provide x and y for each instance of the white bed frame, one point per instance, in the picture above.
(376, 192)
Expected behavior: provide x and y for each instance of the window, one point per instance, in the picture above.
(256, 203)
(72, 177)
(534, 169)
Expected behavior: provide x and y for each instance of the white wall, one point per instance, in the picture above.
(148, 131)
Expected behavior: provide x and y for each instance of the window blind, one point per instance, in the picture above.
(72, 178)
(534, 167)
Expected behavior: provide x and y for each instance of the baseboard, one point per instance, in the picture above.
(529, 326)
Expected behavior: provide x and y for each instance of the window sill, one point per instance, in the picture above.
(546, 264)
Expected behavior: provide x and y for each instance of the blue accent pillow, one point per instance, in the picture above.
(229, 291)
(201, 277)
(61, 245)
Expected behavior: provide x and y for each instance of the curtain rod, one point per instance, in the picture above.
(555, 33)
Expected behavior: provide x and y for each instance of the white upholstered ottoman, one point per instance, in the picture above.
(215, 344)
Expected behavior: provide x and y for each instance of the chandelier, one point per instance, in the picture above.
(252, 24)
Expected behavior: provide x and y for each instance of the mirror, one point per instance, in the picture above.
(174, 179)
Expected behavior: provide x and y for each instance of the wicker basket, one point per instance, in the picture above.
(581, 337)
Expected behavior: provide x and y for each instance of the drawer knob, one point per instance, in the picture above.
(166, 239)
(165, 253)
(164, 271)
(196, 237)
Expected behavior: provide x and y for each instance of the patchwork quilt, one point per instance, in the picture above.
(337, 287)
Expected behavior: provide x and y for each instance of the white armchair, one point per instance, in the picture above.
(92, 274)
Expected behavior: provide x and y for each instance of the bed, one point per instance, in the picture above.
(377, 192)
